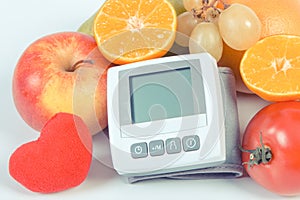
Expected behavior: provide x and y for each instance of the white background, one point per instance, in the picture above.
(22, 22)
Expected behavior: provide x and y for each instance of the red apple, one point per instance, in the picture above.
(62, 72)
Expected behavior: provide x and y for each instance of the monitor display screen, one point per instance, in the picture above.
(161, 95)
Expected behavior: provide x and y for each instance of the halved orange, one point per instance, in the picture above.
(271, 68)
(128, 31)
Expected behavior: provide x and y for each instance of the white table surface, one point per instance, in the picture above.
(22, 22)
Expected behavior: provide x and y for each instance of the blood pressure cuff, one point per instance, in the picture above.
(232, 167)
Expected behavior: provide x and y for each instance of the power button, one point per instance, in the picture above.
(139, 150)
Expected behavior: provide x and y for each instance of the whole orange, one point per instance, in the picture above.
(276, 16)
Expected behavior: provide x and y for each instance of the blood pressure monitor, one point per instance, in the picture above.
(165, 115)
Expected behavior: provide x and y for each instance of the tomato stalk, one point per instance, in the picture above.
(259, 155)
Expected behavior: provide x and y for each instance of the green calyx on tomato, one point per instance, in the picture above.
(258, 155)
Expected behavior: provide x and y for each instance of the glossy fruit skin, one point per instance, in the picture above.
(205, 37)
(186, 23)
(239, 26)
(45, 84)
(279, 125)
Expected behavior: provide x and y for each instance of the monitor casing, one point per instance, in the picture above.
(207, 122)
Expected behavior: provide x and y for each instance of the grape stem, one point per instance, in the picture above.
(209, 10)
(259, 155)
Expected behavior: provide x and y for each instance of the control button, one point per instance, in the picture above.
(156, 148)
(191, 143)
(139, 150)
(173, 145)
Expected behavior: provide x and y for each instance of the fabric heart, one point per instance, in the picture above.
(60, 159)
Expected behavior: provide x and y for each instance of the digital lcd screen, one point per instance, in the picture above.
(161, 95)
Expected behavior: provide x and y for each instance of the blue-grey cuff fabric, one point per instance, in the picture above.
(232, 167)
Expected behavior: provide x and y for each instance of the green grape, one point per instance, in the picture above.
(186, 22)
(239, 26)
(206, 38)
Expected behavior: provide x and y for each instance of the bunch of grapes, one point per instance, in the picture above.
(207, 23)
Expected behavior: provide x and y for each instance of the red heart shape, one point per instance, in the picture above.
(60, 159)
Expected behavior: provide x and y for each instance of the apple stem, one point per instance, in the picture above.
(80, 63)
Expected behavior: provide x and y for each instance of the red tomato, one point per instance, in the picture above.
(274, 132)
